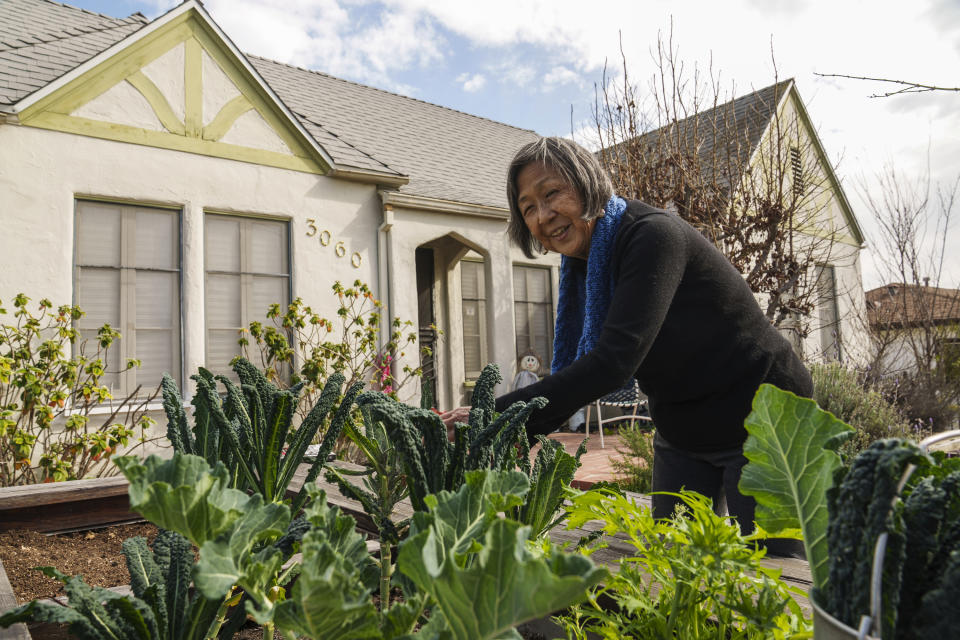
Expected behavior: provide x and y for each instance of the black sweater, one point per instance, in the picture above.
(683, 322)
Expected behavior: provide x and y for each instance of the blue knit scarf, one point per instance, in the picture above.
(583, 301)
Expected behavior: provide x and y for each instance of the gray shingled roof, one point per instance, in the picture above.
(41, 40)
(745, 118)
(446, 154)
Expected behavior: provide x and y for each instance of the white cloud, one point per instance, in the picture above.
(560, 75)
(472, 82)
(337, 38)
(512, 73)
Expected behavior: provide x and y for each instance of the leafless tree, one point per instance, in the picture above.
(915, 317)
(758, 192)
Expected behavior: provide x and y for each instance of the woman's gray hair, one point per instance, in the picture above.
(575, 165)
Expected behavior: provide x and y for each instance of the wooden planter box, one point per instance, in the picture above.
(85, 504)
(55, 508)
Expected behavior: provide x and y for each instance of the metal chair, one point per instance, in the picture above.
(624, 398)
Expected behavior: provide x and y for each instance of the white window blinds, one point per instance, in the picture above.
(533, 313)
(473, 297)
(247, 270)
(128, 275)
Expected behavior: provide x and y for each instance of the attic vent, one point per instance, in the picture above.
(796, 163)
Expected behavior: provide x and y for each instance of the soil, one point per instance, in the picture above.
(94, 554)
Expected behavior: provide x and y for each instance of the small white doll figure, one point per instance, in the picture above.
(528, 366)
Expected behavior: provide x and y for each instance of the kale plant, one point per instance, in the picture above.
(251, 431)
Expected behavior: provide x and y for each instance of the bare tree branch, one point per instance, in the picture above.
(906, 86)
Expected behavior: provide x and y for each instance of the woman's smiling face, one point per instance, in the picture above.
(551, 209)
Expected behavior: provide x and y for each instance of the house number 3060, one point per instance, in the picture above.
(325, 236)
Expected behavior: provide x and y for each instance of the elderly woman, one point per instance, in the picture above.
(644, 295)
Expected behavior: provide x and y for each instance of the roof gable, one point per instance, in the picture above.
(177, 83)
(791, 100)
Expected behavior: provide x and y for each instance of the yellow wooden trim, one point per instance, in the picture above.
(157, 101)
(91, 84)
(226, 117)
(193, 87)
(247, 87)
(196, 36)
(173, 142)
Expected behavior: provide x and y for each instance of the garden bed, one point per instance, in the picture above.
(92, 503)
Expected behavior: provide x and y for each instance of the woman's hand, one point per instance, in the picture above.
(452, 417)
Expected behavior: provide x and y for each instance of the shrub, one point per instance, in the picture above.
(41, 382)
(634, 467)
(843, 392)
(305, 347)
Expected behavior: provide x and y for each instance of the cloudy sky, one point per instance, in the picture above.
(534, 64)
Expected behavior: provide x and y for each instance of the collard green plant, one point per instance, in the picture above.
(484, 571)
(791, 449)
(251, 431)
(42, 383)
(476, 569)
(243, 540)
(243, 544)
(692, 576)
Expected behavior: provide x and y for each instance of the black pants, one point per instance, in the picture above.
(715, 475)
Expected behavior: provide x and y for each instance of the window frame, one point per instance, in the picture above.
(470, 374)
(546, 358)
(246, 277)
(127, 378)
(834, 351)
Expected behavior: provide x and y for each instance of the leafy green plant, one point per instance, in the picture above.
(382, 487)
(634, 467)
(791, 452)
(243, 544)
(489, 441)
(42, 384)
(922, 522)
(692, 576)
(478, 573)
(797, 480)
(846, 394)
(251, 430)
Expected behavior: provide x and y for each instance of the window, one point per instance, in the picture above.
(127, 274)
(829, 314)
(533, 313)
(473, 297)
(247, 270)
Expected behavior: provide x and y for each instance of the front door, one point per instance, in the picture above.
(426, 323)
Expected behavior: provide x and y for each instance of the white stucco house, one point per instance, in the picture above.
(167, 183)
(174, 187)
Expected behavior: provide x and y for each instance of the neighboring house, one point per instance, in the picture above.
(175, 187)
(764, 143)
(914, 325)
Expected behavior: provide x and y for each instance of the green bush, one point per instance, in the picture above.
(634, 467)
(52, 380)
(842, 392)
